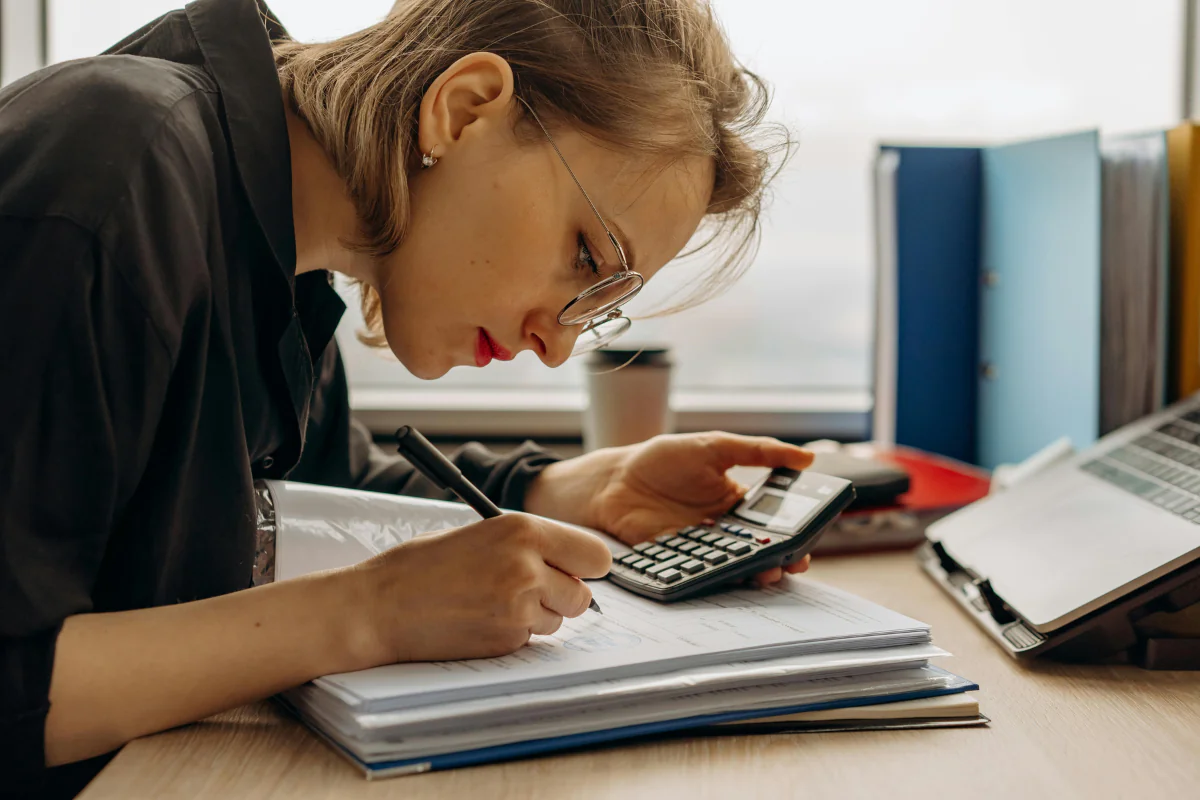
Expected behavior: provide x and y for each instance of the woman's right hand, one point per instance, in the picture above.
(476, 591)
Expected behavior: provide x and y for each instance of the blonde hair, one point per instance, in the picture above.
(654, 76)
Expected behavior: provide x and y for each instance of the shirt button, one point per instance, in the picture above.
(267, 462)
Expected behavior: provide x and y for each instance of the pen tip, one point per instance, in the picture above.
(595, 607)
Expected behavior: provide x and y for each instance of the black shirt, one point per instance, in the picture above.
(159, 351)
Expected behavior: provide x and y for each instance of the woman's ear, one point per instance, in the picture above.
(477, 87)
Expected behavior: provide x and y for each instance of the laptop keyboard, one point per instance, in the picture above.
(1161, 466)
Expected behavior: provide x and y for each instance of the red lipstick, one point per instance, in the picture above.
(483, 349)
(489, 347)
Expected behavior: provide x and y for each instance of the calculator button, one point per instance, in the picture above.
(763, 540)
(670, 575)
(730, 528)
(696, 534)
(666, 555)
(662, 539)
(716, 557)
(689, 529)
(780, 481)
(739, 548)
(642, 547)
(642, 565)
(742, 533)
(688, 547)
(657, 569)
(702, 551)
(630, 559)
(692, 567)
(676, 542)
(709, 538)
(653, 550)
(725, 543)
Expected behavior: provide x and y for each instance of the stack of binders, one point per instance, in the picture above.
(1034, 290)
(641, 668)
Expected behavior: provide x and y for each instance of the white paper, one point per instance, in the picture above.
(960, 706)
(636, 636)
(551, 723)
(324, 527)
(608, 694)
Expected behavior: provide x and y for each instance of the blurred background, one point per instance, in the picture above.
(789, 348)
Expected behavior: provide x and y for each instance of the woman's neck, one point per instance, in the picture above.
(322, 212)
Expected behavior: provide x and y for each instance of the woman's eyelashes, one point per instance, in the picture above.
(584, 260)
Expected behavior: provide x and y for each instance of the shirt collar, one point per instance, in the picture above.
(235, 37)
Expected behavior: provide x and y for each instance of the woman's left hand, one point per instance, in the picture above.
(640, 491)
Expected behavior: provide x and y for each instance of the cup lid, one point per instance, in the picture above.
(649, 356)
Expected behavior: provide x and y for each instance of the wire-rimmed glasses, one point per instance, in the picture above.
(598, 309)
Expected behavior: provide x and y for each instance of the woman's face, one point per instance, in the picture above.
(501, 239)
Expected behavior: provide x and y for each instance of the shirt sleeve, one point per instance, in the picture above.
(84, 374)
(340, 451)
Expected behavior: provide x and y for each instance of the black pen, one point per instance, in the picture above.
(439, 469)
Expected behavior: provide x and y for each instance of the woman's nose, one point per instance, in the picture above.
(551, 341)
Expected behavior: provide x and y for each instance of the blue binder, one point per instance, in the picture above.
(997, 281)
(937, 206)
(1040, 312)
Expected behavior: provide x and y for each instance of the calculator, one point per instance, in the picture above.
(776, 523)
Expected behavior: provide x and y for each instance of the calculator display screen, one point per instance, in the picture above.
(767, 505)
(783, 512)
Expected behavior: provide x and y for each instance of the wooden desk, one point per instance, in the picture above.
(1057, 732)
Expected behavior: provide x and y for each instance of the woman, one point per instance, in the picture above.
(170, 214)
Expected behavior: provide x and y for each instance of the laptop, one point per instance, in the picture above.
(1071, 558)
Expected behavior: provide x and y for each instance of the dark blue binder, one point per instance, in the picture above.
(937, 228)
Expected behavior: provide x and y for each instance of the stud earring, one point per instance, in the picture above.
(428, 160)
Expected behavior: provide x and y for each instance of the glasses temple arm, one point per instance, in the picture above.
(571, 172)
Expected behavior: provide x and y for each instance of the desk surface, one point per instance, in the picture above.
(1058, 731)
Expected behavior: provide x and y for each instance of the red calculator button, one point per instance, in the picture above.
(763, 540)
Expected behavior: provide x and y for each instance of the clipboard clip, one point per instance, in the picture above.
(985, 597)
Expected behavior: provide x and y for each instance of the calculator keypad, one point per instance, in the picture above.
(690, 551)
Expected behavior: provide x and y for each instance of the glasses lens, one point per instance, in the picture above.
(601, 298)
(600, 334)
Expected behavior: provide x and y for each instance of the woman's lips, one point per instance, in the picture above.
(483, 350)
(486, 348)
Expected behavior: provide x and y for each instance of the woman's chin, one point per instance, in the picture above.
(423, 369)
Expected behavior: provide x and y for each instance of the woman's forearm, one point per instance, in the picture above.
(121, 675)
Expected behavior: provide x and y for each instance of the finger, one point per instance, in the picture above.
(735, 450)
(573, 551)
(773, 575)
(799, 566)
(545, 622)
(563, 594)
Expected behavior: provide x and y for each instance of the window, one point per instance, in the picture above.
(795, 334)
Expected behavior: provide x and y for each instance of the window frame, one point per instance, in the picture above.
(23, 38)
(507, 413)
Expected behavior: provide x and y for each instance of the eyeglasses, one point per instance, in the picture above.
(598, 308)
